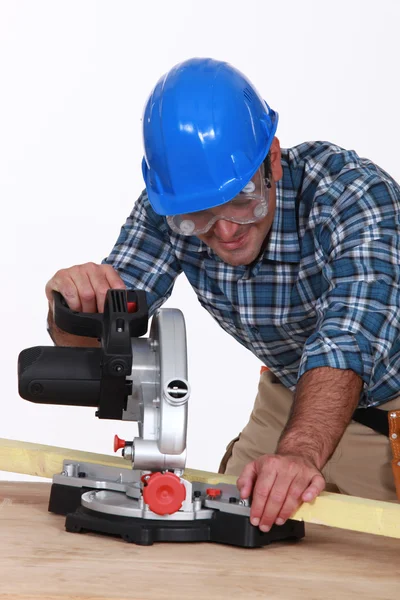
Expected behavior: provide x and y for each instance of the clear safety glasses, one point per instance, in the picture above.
(249, 206)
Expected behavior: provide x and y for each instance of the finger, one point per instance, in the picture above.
(99, 286)
(86, 291)
(316, 486)
(108, 278)
(262, 488)
(246, 480)
(113, 278)
(65, 285)
(276, 500)
(293, 499)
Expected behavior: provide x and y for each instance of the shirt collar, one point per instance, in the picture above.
(283, 240)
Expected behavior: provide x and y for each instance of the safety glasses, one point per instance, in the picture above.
(249, 206)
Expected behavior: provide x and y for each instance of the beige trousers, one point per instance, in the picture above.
(360, 465)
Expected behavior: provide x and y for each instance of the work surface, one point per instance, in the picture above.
(39, 560)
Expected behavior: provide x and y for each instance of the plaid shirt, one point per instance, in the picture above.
(324, 292)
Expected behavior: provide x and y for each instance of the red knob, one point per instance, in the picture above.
(213, 492)
(164, 493)
(118, 443)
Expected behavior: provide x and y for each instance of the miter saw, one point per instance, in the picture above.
(143, 379)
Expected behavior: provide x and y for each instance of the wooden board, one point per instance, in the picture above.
(44, 461)
(40, 561)
(356, 514)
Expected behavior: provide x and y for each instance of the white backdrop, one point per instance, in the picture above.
(74, 77)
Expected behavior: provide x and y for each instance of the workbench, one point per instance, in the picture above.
(40, 561)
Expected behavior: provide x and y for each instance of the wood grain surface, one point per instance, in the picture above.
(39, 560)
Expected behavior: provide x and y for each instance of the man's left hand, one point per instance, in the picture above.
(280, 483)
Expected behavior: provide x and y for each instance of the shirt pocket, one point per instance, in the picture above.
(300, 330)
(219, 308)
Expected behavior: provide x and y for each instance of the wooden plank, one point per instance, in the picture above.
(44, 461)
(39, 560)
(335, 510)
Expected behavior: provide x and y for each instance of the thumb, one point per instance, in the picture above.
(247, 479)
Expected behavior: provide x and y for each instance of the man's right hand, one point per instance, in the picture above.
(84, 287)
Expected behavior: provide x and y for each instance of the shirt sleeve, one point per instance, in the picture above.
(358, 312)
(143, 254)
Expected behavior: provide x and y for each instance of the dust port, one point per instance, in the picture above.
(177, 391)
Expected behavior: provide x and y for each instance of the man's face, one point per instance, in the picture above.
(240, 244)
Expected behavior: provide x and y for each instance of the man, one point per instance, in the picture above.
(295, 253)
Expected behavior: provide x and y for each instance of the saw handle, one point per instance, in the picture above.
(72, 321)
(118, 304)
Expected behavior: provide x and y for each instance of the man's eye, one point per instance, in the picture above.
(193, 215)
(242, 200)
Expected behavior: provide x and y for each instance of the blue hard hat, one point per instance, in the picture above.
(206, 131)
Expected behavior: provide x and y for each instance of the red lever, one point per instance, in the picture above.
(118, 443)
(213, 492)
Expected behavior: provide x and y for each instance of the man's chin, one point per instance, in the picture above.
(237, 258)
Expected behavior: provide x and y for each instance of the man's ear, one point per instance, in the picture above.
(276, 165)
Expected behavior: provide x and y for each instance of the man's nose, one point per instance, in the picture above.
(225, 230)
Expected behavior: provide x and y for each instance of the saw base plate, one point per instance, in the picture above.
(223, 528)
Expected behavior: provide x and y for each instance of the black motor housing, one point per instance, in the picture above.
(97, 377)
(51, 375)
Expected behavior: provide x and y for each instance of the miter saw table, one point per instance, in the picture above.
(142, 379)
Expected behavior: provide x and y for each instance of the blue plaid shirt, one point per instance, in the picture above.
(325, 290)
